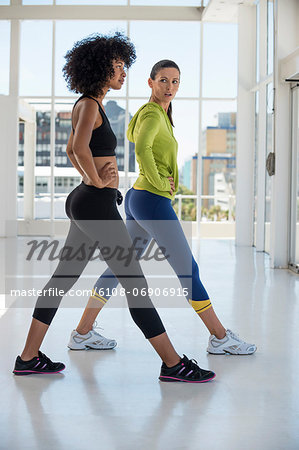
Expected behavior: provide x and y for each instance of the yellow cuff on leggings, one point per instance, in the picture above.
(200, 305)
(95, 295)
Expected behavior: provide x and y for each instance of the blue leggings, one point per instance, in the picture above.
(150, 216)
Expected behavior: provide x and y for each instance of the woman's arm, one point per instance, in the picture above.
(149, 128)
(70, 154)
(87, 114)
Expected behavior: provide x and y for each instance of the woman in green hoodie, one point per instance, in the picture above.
(150, 214)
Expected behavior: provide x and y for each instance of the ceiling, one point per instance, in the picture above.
(224, 10)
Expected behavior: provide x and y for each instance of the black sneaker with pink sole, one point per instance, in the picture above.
(40, 364)
(187, 371)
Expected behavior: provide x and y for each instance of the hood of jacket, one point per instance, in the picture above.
(151, 106)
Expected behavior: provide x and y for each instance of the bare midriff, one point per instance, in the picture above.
(100, 162)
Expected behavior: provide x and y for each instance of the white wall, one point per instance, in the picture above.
(287, 39)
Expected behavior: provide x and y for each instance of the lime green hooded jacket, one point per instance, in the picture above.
(155, 148)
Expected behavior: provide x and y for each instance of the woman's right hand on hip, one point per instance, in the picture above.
(172, 185)
(108, 173)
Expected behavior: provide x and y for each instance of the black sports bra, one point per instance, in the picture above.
(103, 141)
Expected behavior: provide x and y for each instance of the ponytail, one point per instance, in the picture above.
(169, 113)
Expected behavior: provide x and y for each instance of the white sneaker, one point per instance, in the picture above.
(92, 340)
(231, 343)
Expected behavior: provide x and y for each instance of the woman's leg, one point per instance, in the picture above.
(109, 236)
(107, 281)
(35, 337)
(165, 228)
(157, 216)
(167, 234)
(165, 349)
(112, 235)
(105, 227)
(66, 274)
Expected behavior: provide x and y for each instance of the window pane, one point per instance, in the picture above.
(256, 134)
(42, 171)
(4, 56)
(268, 178)
(165, 40)
(116, 113)
(218, 160)
(37, 2)
(294, 232)
(187, 210)
(257, 41)
(220, 55)
(20, 187)
(186, 132)
(69, 32)
(270, 36)
(43, 128)
(36, 58)
(134, 105)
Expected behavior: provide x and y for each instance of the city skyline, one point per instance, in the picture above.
(171, 40)
(218, 163)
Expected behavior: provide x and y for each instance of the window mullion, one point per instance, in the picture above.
(199, 153)
(126, 142)
(52, 133)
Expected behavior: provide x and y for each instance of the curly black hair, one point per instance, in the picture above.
(89, 63)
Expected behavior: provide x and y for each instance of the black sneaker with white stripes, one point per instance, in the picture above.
(40, 364)
(186, 370)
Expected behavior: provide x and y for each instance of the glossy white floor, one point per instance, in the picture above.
(113, 399)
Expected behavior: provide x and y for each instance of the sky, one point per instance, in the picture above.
(179, 41)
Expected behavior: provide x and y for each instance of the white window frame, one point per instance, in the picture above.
(17, 12)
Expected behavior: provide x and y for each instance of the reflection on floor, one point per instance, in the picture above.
(113, 399)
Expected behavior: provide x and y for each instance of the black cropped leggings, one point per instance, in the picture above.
(96, 223)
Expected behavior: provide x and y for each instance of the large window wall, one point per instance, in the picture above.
(204, 111)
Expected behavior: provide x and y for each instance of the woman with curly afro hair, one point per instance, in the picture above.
(95, 65)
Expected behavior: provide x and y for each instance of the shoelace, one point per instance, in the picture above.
(46, 359)
(235, 336)
(192, 364)
(96, 327)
